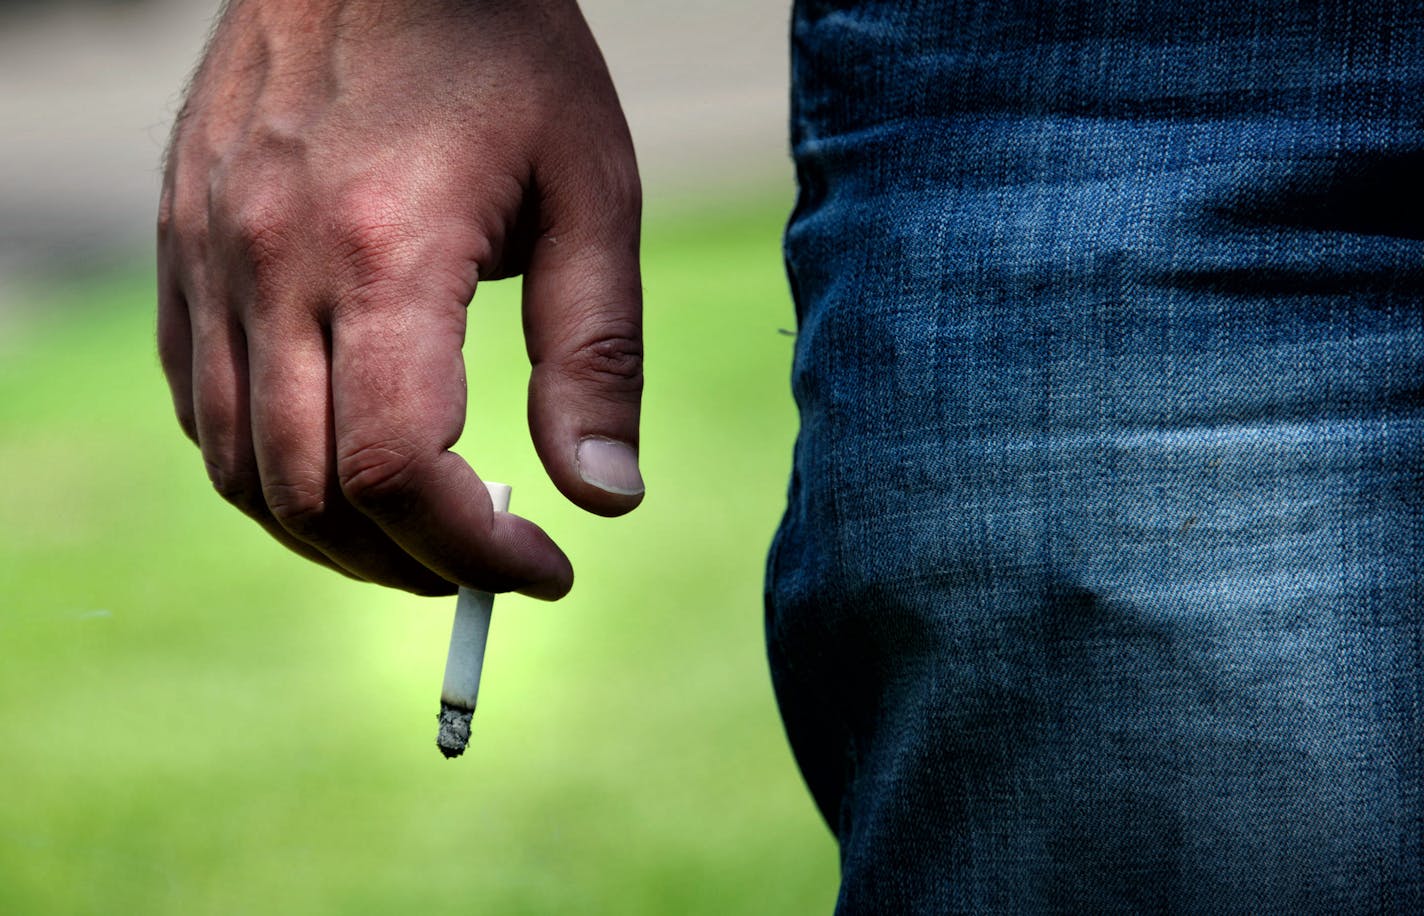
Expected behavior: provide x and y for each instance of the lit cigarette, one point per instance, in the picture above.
(467, 654)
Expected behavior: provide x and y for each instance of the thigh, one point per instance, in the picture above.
(1099, 584)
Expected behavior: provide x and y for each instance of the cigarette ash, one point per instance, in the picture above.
(454, 730)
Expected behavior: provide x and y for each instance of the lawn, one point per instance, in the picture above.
(193, 721)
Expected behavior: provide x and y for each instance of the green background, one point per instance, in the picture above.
(194, 721)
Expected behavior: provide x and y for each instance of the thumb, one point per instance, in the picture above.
(583, 303)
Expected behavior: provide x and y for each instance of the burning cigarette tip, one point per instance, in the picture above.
(454, 730)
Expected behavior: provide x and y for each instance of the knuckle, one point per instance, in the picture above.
(251, 205)
(373, 236)
(298, 507)
(256, 231)
(237, 485)
(259, 226)
(612, 360)
(376, 477)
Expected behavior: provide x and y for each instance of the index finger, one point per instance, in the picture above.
(398, 402)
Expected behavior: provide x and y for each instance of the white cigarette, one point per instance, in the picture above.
(467, 654)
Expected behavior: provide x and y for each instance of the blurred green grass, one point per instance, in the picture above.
(193, 721)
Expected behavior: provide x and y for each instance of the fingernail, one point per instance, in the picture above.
(609, 465)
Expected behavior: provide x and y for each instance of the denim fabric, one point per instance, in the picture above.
(1099, 589)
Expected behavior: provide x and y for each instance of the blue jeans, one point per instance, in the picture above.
(1099, 589)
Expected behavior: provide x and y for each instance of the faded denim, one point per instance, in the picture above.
(1099, 588)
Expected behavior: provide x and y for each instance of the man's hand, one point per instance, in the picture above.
(341, 176)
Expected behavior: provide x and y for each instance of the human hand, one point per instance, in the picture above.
(340, 177)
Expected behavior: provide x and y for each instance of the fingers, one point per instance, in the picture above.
(295, 451)
(398, 403)
(583, 327)
(223, 428)
(269, 384)
(204, 361)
